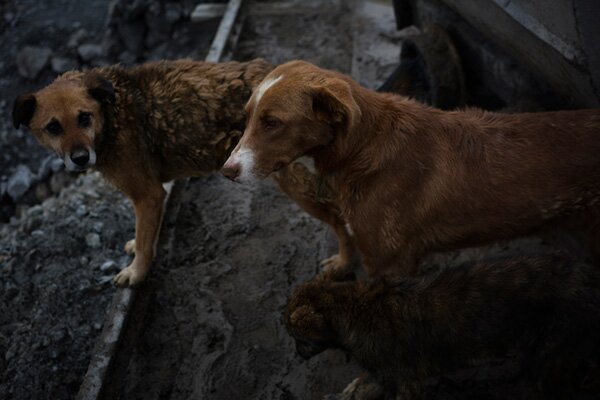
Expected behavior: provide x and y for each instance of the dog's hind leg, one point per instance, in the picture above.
(148, 201)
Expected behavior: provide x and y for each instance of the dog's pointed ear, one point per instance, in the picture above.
(334, 103)
(23, 109)
(100, 88)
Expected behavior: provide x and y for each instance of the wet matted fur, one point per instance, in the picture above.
(143, 126)
(402, 331)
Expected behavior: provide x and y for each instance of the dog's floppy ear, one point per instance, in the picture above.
(334, 103)
(100, 88)
(23, 109)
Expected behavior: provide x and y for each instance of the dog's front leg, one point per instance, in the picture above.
(148, 206)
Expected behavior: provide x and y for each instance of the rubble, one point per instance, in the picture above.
(19, 183)
(31, 60)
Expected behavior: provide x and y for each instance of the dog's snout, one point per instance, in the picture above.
(80, 157)
(231, 170)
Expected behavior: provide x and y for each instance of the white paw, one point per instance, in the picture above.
(130, 247)
(128, 277)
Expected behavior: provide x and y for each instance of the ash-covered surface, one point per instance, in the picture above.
(56, 266)
(214, 328)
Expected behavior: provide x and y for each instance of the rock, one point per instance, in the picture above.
(76, 38)
(8, 17)
(45, 168)
(81, 210)
(98, 226)
(109, 266)
(173, 12)
(62, 64)
(89, 52)
(32, 60)
(57, 164)
(42, 191)
(58, 181)
(158, 27)
(126, 57)
(19, 183)
(92, 240)
(132, 34)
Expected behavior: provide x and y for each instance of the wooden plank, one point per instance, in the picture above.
(220, 41)
(207, 11)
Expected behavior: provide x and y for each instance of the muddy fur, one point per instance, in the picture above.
(145, 125)
(411, 179)
(546, 310)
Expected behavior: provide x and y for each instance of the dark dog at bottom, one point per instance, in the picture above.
(545, 310)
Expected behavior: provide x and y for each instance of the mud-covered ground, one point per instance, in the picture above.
(213, 324)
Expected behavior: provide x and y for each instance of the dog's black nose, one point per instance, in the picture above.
(80, 157)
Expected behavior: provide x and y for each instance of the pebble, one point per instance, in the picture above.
(42, 192)
(98, 226)
(32, 60)
(92, 240)
(76, 38)
(108, 266)
(57, 164)
(45, 168)
(62, 64)
(81, 210)
(19, 182)
(89, 52)
(59, 181)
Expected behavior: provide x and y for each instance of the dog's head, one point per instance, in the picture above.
(306, 315)
(297, 108)
(66, 116)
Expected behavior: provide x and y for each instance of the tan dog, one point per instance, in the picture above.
(143, 126)
(546, 309)
(410, 179)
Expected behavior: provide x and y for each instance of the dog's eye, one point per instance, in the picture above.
(84, 119)
(54, 128)
(270, 123)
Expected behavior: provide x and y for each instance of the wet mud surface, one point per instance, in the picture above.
(214, 327)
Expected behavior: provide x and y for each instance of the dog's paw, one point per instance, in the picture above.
(128, 277)
(130, 247)
(335, 263)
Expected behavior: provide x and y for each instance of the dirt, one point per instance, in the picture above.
(55, 287)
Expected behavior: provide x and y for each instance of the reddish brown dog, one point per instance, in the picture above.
(410, 179)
